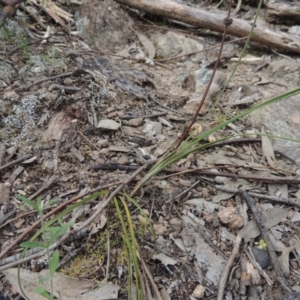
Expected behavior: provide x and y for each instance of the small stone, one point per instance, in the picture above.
(205, 193)
(199, 291)
(108, 125)
(160, 229)
(135, 122)
(112, 115)
(261, 257)
(230, 217)
(142, 220)
(103, 143)
(175, 222)
(123, 160)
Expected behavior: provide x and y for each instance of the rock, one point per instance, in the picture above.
(172, 44)
(104, 24)
(281, 119)
(135, 122)
(108, 125)
(261, 257)
(123, 160)
(229, 216)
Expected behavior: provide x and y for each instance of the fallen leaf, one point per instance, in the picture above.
(65, 287)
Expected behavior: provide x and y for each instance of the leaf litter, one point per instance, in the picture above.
(196, 228)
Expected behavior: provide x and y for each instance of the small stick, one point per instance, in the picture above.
(225, 273)
(87, 140)
(127, 117)
(262, 228)
(19, 160)
(287, 201)
(108, 258)
(15, 174)
(251, 256)
(44, 187)
(2, 153)
(102, 205)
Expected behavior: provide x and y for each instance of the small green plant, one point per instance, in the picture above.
(6, 34)
(51, 59)
(23, 43)
(49, 235)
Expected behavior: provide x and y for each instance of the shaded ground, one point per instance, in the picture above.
(106, 116)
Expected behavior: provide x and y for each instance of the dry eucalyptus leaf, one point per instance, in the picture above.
(272, 217)
(284, 259)
(165, 260)
(65, 287)
(267, 149)
(4, 192)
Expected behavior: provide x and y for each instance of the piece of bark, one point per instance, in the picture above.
(215, 22)
(282, 12)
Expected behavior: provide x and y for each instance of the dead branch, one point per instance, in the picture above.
(205, 19)
(282, 12)
(263, 230)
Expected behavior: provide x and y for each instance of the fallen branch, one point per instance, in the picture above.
(213, 21)
(263, 230)
(282, 12)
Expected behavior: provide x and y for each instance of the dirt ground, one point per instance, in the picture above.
(92, 92)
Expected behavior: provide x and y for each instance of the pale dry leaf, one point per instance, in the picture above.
(30, 160)
(58, 124)
(272, 217)
(65, 287)
(54, 11)
(203, 205)
(267, 149)
(147, 44)
(165, 260)
(4, 192)
(284, 259)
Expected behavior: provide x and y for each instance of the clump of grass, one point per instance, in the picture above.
(129, 238)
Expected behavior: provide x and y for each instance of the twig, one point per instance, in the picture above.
(154, 286)
(107, 258)
(262, 228)
(164, 106)
(19, 160)
(251, 256)
(227, 23)
(235, 176)
(287, 201)
(56, 209)
(25, 88)
(2, 153)
(6, 216)
(101, 206)
(184, 192)
(224, 276)
(87, 140)
(15, 174)
(128, 117)
(44, 186)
